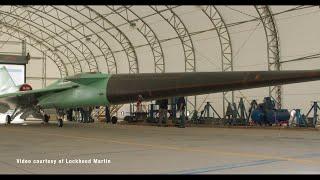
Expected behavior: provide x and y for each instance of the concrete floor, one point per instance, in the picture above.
(158, 150)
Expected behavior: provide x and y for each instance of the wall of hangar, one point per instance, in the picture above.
(297, 31)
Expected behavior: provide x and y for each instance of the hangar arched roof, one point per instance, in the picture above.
(137, 39)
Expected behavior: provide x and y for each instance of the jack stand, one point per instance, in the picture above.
(206, 113)
(242, 113)
(315, 108)
(242, 109)
(253, 106)
(231, 113)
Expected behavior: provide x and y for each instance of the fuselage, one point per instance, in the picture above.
(90, 91)
(98, 89)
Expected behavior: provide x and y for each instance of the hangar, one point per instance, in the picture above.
(217, 89)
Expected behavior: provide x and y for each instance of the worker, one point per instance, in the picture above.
(234, 113)
(77, 114)
(181, 103)
(163, 110)
(229, 114)
(83, 116)
(89, 112)
(140, 108)
(139, 105)
(107, 115)
(69, 114)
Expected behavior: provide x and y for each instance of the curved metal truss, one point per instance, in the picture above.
(114, 31)
(41, 22)
(31, 23)
(88, 35)
(145, 30)
(102, 22)
(225, 45)
(15, 20)
(184, 36)
(30, 40)
(74, 37)
(71, 39)
(273, 48)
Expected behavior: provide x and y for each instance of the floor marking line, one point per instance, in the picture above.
(226, 166)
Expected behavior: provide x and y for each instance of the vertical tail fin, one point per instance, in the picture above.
(6, 82)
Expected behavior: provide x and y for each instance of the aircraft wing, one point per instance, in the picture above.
(38, 92)
(26, 99)
(124, 88)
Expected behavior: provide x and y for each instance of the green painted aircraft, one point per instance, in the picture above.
(98, 89)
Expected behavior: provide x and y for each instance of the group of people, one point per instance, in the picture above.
(163, 111)
(82, 115)
(90, 114)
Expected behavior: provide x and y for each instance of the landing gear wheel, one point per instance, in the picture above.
(114, 120)
(8, 119)
(46, 118)
(60, 122)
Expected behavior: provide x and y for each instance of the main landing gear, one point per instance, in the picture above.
(60, 122)
(13, 115)
(8, 119)
(46, 118)
(60, 115)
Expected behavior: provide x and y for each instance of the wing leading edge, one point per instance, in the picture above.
(38, 92)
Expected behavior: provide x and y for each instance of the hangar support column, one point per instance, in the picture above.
(225, 45)
(184, 36)
(273, 48)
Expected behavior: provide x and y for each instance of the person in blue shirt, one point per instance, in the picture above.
(181, 106)
(163, 110)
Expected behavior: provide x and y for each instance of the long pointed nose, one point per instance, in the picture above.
(124, 88)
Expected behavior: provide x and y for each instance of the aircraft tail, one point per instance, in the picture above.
(6, 82)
